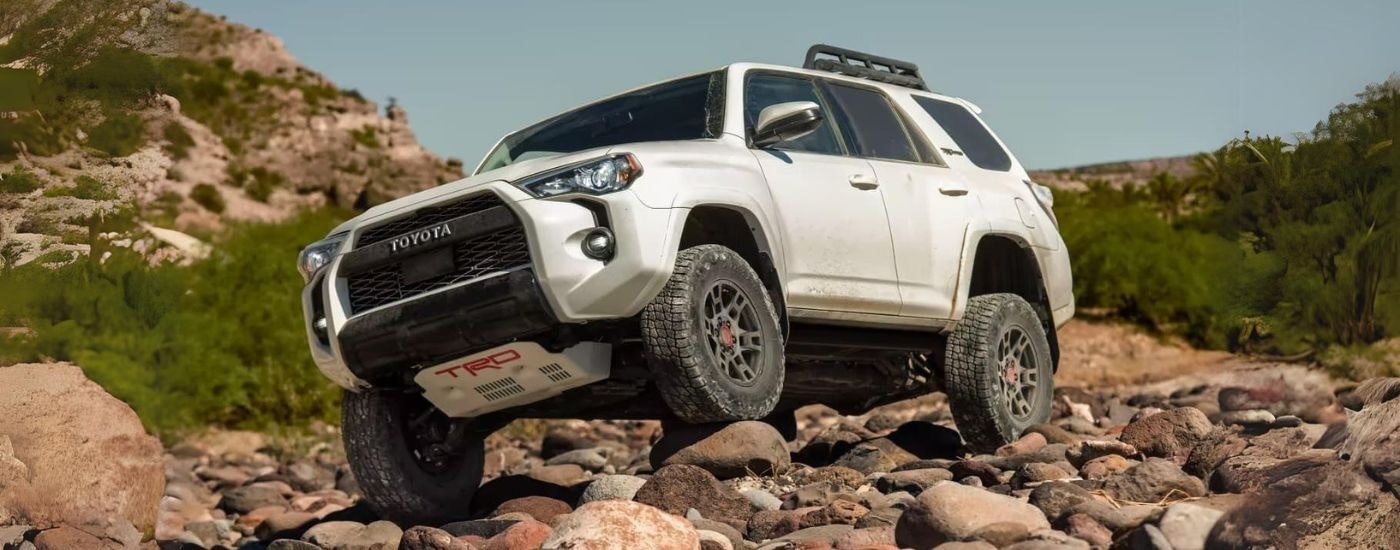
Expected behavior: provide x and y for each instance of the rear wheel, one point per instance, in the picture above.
(998, 371)
(412, 462)
(712, 339)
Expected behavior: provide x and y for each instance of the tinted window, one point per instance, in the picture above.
(763, 90)
(871, 124)
(968, 132)
(688, 108)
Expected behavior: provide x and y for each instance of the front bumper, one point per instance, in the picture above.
(560, 285)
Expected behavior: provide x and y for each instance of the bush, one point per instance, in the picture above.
(84, 187)
(366, 137)
(121, 134)
(218, 342)
(209, 197)
(258, 182)
(19, 181)
(37, 225)
(178, 141)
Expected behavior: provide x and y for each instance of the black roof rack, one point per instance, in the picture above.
(864, 65)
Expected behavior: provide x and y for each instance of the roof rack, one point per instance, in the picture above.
(864, 65)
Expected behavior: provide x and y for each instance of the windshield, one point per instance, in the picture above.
(687, 108)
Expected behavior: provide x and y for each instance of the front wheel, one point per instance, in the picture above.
(998, 371)
(712, 339)
(412, 462)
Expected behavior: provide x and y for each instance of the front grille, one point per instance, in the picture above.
(490, 253)
(428, 216)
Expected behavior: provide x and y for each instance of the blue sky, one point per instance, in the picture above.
(1064, 83)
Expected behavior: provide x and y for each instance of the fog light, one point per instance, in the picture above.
(598, 244)
(320, 326)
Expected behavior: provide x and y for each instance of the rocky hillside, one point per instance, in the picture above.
(150, 110)
(1117, 174)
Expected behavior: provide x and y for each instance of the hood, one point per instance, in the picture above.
(510, 173)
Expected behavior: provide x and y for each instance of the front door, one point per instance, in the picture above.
(839, 253)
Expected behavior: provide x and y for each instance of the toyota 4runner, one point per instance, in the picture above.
(727, 245)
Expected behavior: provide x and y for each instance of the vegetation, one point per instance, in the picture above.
(365, 136)
(258, 182)
(209, 197)
(19, 181)
(1272, 247)
(178, 141)
(84, 187)
(184, 345)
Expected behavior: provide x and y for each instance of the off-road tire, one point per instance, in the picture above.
(688, 375)
(389, 475)
(973, 371)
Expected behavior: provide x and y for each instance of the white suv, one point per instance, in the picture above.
(727, 245)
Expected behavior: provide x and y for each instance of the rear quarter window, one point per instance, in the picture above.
(968, 133)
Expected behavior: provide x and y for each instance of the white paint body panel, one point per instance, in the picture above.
(896, 256)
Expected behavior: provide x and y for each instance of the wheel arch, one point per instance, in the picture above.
(738, 229)
(1006, 262)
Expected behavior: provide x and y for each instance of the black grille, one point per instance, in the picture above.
(493, 252)
(428, 216)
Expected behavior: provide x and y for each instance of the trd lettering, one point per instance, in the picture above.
(493, 361)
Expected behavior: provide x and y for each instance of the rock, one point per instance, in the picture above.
(922, 464)
(1104, 466)
(543, 509)
(588, 459)
(1153, 481)
(1170, 434)
(1373, 439)
(85, 454)
(251, 497)
(523, 535)
(561, 440)
(1119, 519)
(733, 450)
(838, 512)
(973, 545)
(288, 524)
(762, 500)
(710, 540)
(1207, 455)
(622, 524)
(843, 477)
(1084, 451)
(1372, 391)
(822, 536)
(816, 494)
(1085, 528)
(1252, 419)
(1050, 454)
(431, 538)
(867, 459)
(292, 544)
(350, 535)
(680, 487)
(986, 473)
(1055, 499)
(913, 481)
(1053, 434)
(865, 539)
(67, 538)
(1028, 443)
(1002, 533)
(1330, 504)
(484, 528)
(949, 511)
(563, 475)
(1149, 537)
(880, 517)
(770, 524)
(308, 477)
(612, 487)
(1037, 472)
(13, 535)
(735, 538)
(1186, 525)
(1287, 421)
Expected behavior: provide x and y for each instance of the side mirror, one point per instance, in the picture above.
(785, 122)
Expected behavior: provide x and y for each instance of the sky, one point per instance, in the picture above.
(1062, 83)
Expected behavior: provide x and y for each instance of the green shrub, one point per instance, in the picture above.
(178, 141)
(209, 197)
(365, 136)
(84, 187)
(17, 89)
(218, 342)
(258, 182)
(121, 134)
(55, 257)
(19, 181)
(37, 225)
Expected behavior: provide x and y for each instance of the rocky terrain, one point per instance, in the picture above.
(1242, 455)
(1116, 174)
(153, 111)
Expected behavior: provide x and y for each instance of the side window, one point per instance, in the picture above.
(968, 132)
(762, 90)
(870, 122)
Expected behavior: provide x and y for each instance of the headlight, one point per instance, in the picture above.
(318, 254)
(1046, 198)
(595, 177)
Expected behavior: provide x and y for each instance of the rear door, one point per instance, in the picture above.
(927, 203)
(839, 254)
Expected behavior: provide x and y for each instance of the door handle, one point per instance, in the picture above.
(953, 188)
(864, 182)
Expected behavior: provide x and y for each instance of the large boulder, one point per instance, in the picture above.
(86, 458)
(621, 524)
(1332, 504)
(952, 511)
(728, 451)
(1153, 481)
(678, 488)
(1169, 434)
